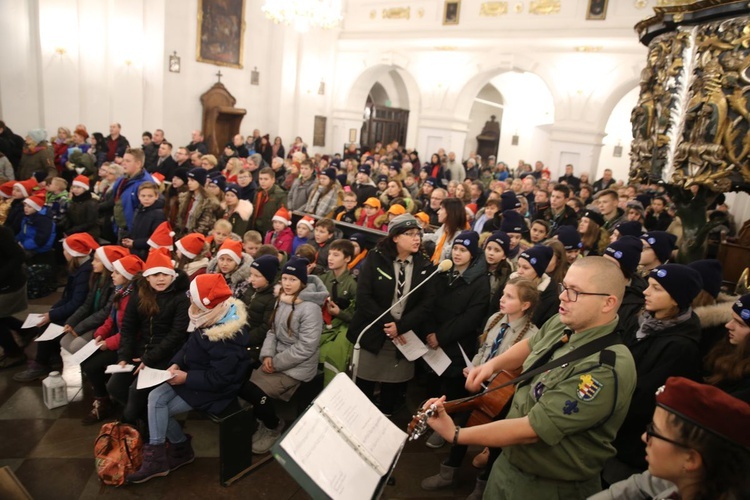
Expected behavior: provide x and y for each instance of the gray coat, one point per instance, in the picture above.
(297, 354)
(299, 193)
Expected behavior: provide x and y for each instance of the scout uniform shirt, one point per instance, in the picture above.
(575, 409)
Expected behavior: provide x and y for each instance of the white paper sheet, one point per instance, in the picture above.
(468, 362)
(52, 332)
(149, 377)
(84, 352)
(32, 320)
(414, 347)
(119, 369)
(437, 359)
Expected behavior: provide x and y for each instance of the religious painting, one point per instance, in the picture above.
(319, 131)
(221, 28)
(451, 12)
(597, 10)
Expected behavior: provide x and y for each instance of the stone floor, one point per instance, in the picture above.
(52, 453)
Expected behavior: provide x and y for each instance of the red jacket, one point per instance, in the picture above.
(364, 221)
(283, 241)
(107, 331)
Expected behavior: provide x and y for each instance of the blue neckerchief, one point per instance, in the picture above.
(231, 315)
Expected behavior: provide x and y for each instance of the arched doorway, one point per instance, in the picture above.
(382, 122)
(485, 118)
(616, 143)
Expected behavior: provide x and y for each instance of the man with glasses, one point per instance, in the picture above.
(436, 198)
(561, 424)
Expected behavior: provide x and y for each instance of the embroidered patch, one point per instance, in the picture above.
(570, 407)
(538, 390)
(588, 388)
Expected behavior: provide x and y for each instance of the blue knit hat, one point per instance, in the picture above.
(395, 166)
(330, 173)
(382, 178)
(220, 181)
(662, 242)
(569, 237)
(630, 228)
(468, 239)
(682, 283)
(199, 175)
(512, 222)
(357, 238)
(431, 181)
(742, 308)
(627, 252)
(267, 265)
(364, 168)
(297, 267)
(501, 239)
(539, 256)
(233, 188)
(710, 271)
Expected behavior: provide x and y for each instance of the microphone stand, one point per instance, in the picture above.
(354, 365)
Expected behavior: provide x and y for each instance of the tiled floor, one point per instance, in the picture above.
(52, 453)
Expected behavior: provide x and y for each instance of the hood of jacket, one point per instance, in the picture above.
(240, 274)
(476, 269)
(315, 291)
(716, 314)
(228, 330)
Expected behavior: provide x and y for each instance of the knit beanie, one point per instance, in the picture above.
(711, 272)
(501, 239)
(431, 181)
(512, 222)
(364, 168)
(181, 173)
(38, 135)
(569, 237)
(682, 283)
(742, 308)
(330, 173)
(220, 181)
(509, 201)
(539, 257)
(627, 252)
(358, 238)
(297, 267)
(233, 188)
(630, 228)
(662, 242)
(468, 239)
(382, 178)
(199, 175)
(268, 266)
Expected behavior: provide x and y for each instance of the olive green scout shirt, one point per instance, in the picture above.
(575, 409)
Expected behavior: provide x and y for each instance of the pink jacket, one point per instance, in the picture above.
(107, 329)
(283, 241)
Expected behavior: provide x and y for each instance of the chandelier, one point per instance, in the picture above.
(304, 14)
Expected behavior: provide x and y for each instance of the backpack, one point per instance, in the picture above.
(117, 453)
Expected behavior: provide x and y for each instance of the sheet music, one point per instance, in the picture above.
(32, 320)
(119, 369)
(468, 362)
(149, 377)
(52, 332)
(84, 352)
(414, 347)
(437, 359)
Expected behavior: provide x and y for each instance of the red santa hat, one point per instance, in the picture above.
(162, 236)
(26, 186)
(307, 221)
(209, 290)
(191, 245)
(158, 178)
(37, 201)
(6, 190)
(159, 261)
(108, 254)
(231, 248)
(282, 215)
(82, 181)
(80, 244)
(129, 266)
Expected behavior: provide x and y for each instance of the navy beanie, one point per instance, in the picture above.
(630, 228)
(710, 271)
(662, 242)
(382, 178)
(512, 222)
(742, 308)
(330, 173)
(509, 201)
(569, 237)
(470, 240)
(267, 265)
(627, 252)
(358, 238)
(297, 267)
(431, 181)
(364, 168)
(682, 283)
(539, 256)
(395, 166)
(181, 173)
(501, 239)
(594, 216)
(233, 188)
(220, 181)
(199, 175)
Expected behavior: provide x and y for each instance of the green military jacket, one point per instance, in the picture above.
(575, 409)
(346, 289)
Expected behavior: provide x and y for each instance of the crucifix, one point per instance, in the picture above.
(219, 75)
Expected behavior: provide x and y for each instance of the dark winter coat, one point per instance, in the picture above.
(259, 309)
(199, 218)
(240, 218)
(74, 295)
(375, 289)
(672, 352)
(81, 216)
(364, 191)
(713, 318)
(630, 309)
(460, 309)
(155, 339)
(12, 274)
(37, 234)
(567, 218)
(39, 159)
(94, 310)
(11, 145)
(549, 301)
(216, 363)
(145, 221)
(15, 216)
(264, 212)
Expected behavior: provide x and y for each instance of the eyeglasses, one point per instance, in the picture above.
(413, 234)
(436, 198)
(650, 432)
(572, 295)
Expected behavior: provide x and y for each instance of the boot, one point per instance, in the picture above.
(102, 409)
(179, 454)
(446, 478)
(478, 492)
(154, 464)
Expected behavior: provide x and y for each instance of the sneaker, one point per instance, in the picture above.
(266, 437)
(35, 371)
(11, 361)
(435, 441)
(102, 409)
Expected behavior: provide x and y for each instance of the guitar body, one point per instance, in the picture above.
(489, 407)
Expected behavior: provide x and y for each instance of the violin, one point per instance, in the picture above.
(484, 406)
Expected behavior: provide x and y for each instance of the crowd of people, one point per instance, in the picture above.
(177, 259)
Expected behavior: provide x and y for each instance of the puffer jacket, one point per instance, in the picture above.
(74, 294)
(37, 234)
(81, 216)
(260, 305)
(237, 279)
(94, 310)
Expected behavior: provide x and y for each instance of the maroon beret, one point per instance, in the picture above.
(707, 407)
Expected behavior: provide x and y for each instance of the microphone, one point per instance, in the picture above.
(445, 265)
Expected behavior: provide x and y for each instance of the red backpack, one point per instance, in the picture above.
(117, 452)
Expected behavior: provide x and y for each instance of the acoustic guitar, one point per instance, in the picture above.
(484, 406)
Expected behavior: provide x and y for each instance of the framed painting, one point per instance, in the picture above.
(319, 131)
(221, 28)
(451, 12)
(597, 10)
